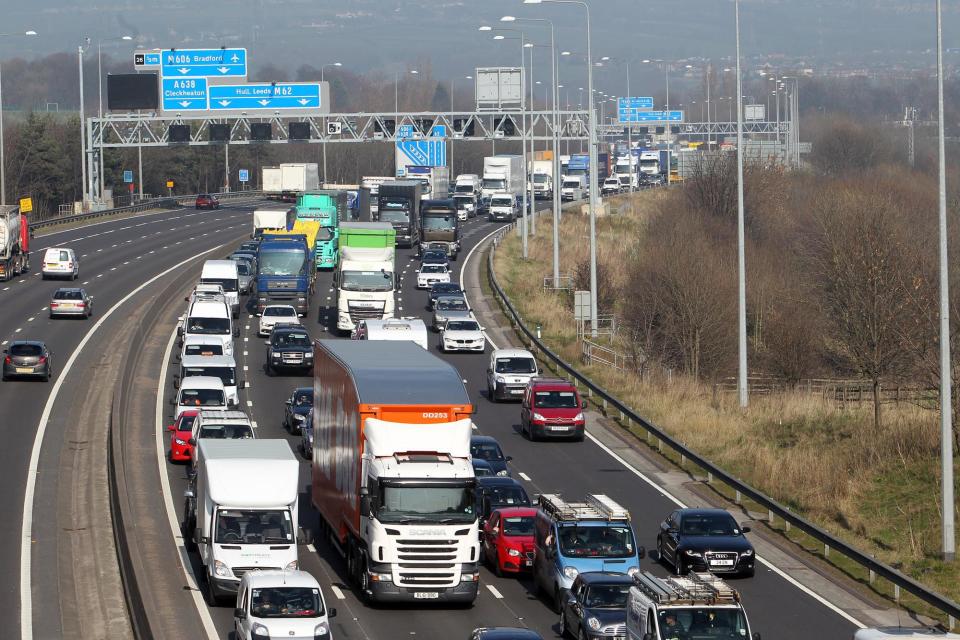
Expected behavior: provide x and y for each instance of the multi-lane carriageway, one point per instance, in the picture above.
(122, 257)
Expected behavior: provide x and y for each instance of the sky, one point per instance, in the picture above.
(390, 35)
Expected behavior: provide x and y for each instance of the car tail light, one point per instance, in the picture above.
(69, 265)
(81, 304)
(8, 360)
(54, 305)
(42, 360)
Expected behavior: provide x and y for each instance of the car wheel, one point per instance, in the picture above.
(564, 631)
(210, 592)
(557, 603)
(497, 571)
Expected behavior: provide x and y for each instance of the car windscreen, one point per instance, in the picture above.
(291, 339)
(208, 326)
(186, 423)
(228, 375)
(597, 541)
(709, 525)
(226, 432)
(26, 350)
(286, 602)
(607, 596)
(366, 280)
(555, 399)
(462, 325)
(202, 398)
(303, 398)
(434, 256)
(517, 526)
(253, 527)
(433, 268)
(442, 288)
(515, 365)
(228, 284)
(203, 350)
(452, 304)
(243, 269)
(486, 451)
(508, 496)
(280, 311)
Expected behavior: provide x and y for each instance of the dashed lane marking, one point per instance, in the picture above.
(525, 476)
(493, 590)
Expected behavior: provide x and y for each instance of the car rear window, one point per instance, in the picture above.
(26, 350)
(203, 350)
(67, 295)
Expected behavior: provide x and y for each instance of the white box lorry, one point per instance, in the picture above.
(272, 182)
(298, 178)
(502, 174)
(241, 510)
(365, 278)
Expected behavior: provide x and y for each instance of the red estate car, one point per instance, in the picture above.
(207, 201)
(508, 540)
(552, 408)
(180, 433)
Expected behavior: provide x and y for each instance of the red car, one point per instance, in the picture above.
(552, 408)
(207, 201)
(508, 540)
(180, 433)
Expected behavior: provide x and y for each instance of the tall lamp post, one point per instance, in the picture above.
(742, 388)
(100, 44)
(3, 176)
(87, 188)
(324, 133)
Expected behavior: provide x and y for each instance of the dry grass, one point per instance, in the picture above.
(875, 489)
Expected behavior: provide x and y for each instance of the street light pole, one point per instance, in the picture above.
(741, 259)
(83, 131)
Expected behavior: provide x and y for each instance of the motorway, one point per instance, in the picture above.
(776, 607)
(117, 258)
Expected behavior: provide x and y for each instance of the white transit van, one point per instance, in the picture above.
(224, 273)
(573, 188)
(296, 594)
(223, 367)
(199, 392)
(208, 316)
(60, 262)
(412, 329)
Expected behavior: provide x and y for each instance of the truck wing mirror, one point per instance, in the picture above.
(365, 502)
(171, 428)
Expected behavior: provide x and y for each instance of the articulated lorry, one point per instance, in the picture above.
(392, 476)
(399, 206)
(365, 279)
(502, 174)
(285, 267)
(328, 207)
(240, 511)
(14, 242)
(440, 227)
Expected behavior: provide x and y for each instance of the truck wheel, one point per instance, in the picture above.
(210, 592)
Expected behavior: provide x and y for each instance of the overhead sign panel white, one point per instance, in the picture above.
(499, 88)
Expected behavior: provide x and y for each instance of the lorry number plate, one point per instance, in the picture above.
(426, 595)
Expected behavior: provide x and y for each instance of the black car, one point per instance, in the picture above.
(504, 633)
(27, 359)
(494, 492)
(705, 540)
(488, 449)
(595, 607)
(434, 256)
(444, 289)
(289, 347)
(296, 408)
(482, 469)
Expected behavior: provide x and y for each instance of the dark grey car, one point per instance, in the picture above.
(71, 301)
(27, 359)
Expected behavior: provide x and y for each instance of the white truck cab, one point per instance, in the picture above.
(224, 273)
(509, 372)
(281, 604)
(199, 392)
(695, 605)
(503, 206)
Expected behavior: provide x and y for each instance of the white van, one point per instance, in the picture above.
(222, 367)
(262, 593)
(412, 329)
(199, 392)
(573, 187)
(224, 273)
(208, 316)
(509, 372)
(201, 346)
(60, 262)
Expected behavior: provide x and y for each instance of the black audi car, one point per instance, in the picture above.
(596, 606)
(27, 359)
(296, 409)
(705, 540)
(289, 347)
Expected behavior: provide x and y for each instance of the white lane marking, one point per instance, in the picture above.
(86, 282)
(816, 596)
(246, 368)
(198, 601)
(113, 268)
(19, 329)
(30, 319)
(336, 590)
(43, 308)
(26, 529)
(524, 476)
(3, 343)
(21, 281)
(496, 594)
(253, 423)
(249, 403)
(5, 288)
(100, 275)
(246, 353)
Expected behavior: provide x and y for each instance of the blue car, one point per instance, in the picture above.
(488, 449)
(297, 406)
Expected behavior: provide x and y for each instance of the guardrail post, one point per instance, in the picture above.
(826, 551)
(659, 445)
(896, 593)
(709, 477)
(872, 576)
(951, 623)
(770, 516)
(738, 497)
(786, 525)
(604, 405)
(683, 460)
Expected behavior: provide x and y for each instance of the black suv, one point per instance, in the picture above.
(289, 347)
(705, 540)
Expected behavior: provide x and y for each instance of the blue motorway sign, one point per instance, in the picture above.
(194, 63)
(244, 175)
(143, 59)
(626, 117)
(625, 104)
(264, 95)
(184, 94)
(423, 153)
(128, 176)
(438, 131)
(404, 131)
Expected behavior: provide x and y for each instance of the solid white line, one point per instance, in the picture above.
(662, 491)
(192, 583)
(26, 530)
(496, 594)
(524, 476)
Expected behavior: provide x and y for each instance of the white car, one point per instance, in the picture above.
(610, 186)
(430, 274)
(281, 604)
(275, 314)
(60, 262)
(462, 335)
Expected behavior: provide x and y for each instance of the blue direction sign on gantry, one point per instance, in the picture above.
(280, 95)
(650, 116)
(424, 153)
(198, 63)
(626, 104)
(184, 94)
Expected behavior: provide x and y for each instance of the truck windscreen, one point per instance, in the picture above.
(596, 541)
(236, 526)
(325, 234)
(712, 622)
(540, 178)
(464, 188)
(366, 281)
(280, 263)
(494, 184)
(228, 284)
(439, 221)
(415, 503)
(394, 215)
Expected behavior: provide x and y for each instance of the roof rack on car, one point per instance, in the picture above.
(595, 507)
(693, 588)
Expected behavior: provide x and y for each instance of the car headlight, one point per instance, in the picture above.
(500, 379)
(571, 572)
(513, 552)
(275, 355)
(180, 442)
(748, 552)
(503, 472)
(291, 566)
(308, 354)
(578, 417)
(537, 416)
(695, 554)
(260, 630)
(299, 417)
(321, 629)
(593, 623)
(220, 569)
(632, 571)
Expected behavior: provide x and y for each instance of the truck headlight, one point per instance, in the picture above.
(503, 473)
(220, 569)
(380, 577)
(571, 572)
(469, 577)
(632, 571)
(513, 552)
(593, 623)
(291, 566)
